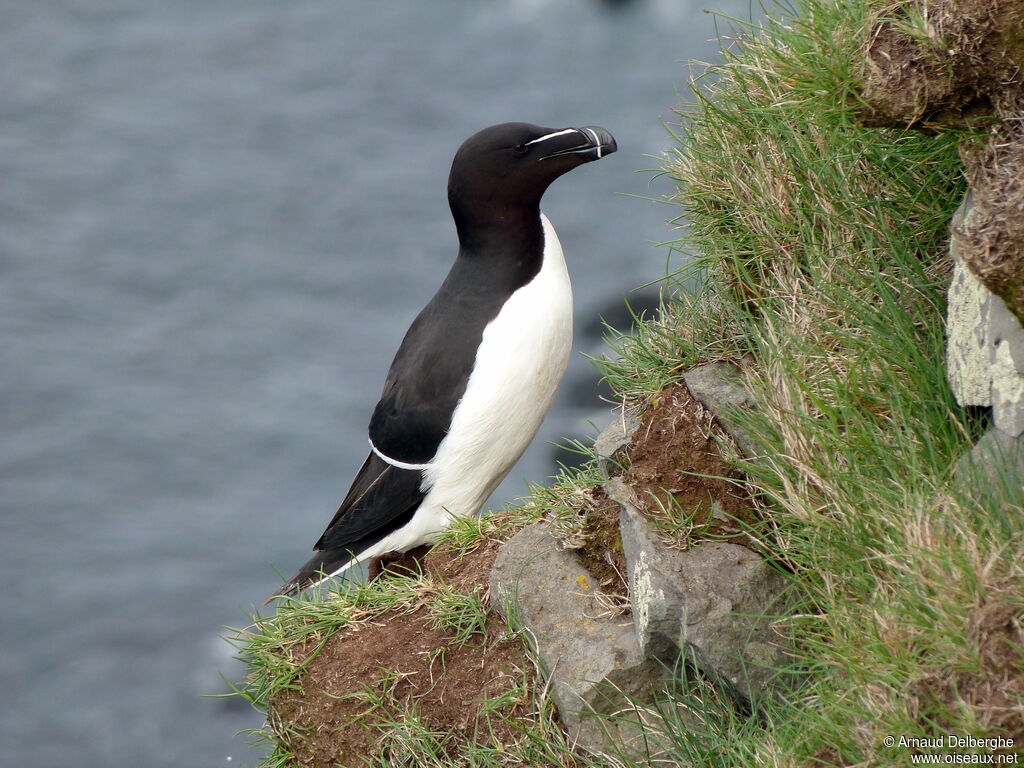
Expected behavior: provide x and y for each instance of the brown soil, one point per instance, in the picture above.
(966, 62)
(598, 543)
(402, 563)
(407, 662)
(675, 462)
(675, 467)
(447, 682)
(993, 243)
(465, 572)
(966, 59)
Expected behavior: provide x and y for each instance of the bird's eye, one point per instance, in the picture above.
(519, 148)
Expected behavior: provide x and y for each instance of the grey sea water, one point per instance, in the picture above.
(216, 221)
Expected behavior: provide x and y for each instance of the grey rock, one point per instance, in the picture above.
(985, 347)
(960, 218)
(719, 388)
(994, 466)
(967, 358)
(591, 658)
(714, 602)
(615, 437)
(1007, 374)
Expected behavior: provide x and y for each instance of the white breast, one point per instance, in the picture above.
(519, 365)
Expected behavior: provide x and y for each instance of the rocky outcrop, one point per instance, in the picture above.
(615, 438)
(961, 63)
(719, 388)
(714, 603)
(994, 465)
(985, 367)
(589, 653)
(985, 360)
(710, 606)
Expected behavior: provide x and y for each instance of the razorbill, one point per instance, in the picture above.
(478, 369)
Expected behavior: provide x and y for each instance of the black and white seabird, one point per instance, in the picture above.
(478, 369)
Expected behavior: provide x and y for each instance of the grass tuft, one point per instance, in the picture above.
(462, 616)
(820, 265)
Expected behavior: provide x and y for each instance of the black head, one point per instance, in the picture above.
(506, 168)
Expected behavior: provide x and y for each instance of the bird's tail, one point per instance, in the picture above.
(321, 566)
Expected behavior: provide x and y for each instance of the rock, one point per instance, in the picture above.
(719, 388)
(713, 602)
(966, 356)
(985, 352)
(1006, 336)
(995, 465)
(591, 658)
(615, 437)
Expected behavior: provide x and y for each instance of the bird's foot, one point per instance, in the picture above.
(397, 562)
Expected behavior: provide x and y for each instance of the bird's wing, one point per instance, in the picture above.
(424, 385)
(381, 496)
(427, 379)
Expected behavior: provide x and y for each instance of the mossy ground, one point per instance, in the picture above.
(817, 260)
(961, 63)
(434, 671)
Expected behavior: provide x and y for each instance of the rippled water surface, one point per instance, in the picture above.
(216, 221)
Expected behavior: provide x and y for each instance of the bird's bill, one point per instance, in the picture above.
(589, 143)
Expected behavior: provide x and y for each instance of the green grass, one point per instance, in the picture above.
(462, 616)
(277, 649)
(820, 255)
(816, 259)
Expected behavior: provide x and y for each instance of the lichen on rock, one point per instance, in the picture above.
(985, 353)
(713, 604)
(593, 663)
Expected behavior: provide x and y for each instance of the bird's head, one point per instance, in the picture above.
(508, 167)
